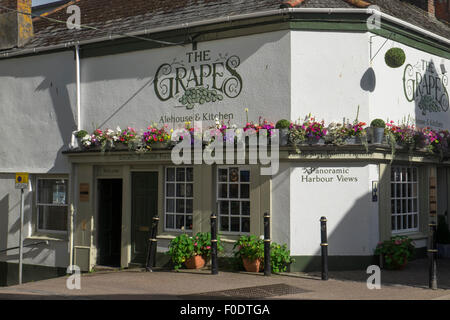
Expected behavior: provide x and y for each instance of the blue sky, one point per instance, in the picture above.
(39, 2)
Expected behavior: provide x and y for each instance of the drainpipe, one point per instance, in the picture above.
(72, 166)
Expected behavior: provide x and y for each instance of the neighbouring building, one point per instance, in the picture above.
(278, 60)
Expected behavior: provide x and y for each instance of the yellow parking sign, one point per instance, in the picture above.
(21, 180)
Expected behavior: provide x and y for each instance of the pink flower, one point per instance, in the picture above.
(195, 244)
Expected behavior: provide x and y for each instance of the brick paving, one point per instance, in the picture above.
(408, 284)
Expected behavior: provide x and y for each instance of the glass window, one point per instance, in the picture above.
(179, 198)
(404, 199)
(233, 196)
(51, 203)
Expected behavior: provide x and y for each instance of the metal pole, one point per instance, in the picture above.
(432, 258)
(151, 256)
(214, 265)
(20, 235)
(324, 246)
(267, 241)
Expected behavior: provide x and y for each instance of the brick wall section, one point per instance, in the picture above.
(442, 10)
(430, 8)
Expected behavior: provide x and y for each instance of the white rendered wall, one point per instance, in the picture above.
(37, 99)
(326, 73)
(352, 216)
(118, 90)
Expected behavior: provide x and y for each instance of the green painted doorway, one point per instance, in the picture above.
(144, 208)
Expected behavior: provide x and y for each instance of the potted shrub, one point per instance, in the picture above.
(377, 130)
(250, 249)
(443, 238)
(82, 136)
(283, 127)
(157, 138)
(396, 252)
(192, 252)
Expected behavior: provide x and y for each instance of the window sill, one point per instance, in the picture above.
(62, 238)
(416, 235)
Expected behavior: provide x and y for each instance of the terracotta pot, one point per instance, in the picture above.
(398, 265)
(195, 262)
(251, 265)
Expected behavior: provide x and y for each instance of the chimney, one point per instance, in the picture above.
(16, 28)
(431, 9)
(441, 8)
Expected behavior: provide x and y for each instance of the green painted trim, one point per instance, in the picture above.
(9, 273)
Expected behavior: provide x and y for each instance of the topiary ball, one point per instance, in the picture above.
(395, 57)
(283, 124)
(378, 123)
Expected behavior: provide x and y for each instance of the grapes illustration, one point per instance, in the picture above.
(199, 95)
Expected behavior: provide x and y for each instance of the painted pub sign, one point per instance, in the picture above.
(427, 87)
(199, 77)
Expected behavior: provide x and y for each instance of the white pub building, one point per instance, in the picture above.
(279, 61)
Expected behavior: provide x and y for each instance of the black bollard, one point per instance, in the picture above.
(267, 263)
(151, 255)
(214, 264)
(324, 246)
(432, 258)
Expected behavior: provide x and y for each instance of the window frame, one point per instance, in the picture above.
(175, 197)
(393, 200)
(240, 200)
(37, 205)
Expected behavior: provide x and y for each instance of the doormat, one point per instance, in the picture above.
(259, 292)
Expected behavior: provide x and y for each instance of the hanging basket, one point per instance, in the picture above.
(395, 57)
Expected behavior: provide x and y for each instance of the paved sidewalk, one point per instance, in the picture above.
(410, 283)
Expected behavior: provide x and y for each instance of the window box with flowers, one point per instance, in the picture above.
(157, 138)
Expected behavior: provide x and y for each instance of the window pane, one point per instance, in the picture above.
(245, 176)
(224, 224)
(52, 218)
(245, 208)
(52, 191)
(223, 190)
(235, 224)
(180, 205)
(224, 208)
(189, 190)
(170, 205)
(245, 191)
(170, 174)
(170, 190)
(189, 174)
(169, 221)
(245, 224)
(179, 221)
(235, 208)
(234, 175)
(180, 189)
(189, 222)
(223, 173)
(189, 205)
(181, 174)
(234, 191)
